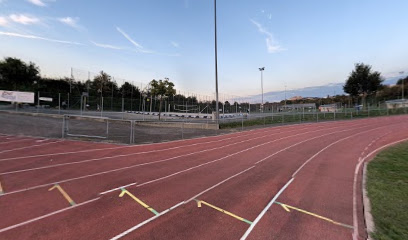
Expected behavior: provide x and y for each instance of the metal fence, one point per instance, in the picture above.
(133, 127)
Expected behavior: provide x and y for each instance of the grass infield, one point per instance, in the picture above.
(387, 186)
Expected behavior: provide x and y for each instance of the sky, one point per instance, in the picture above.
(300, 43)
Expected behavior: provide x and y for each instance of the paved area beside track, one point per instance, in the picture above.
(290, 182)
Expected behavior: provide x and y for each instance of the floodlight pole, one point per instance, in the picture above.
(217, 114)
(402, 82)
(262, 69)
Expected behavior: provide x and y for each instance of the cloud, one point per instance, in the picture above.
(271, 44)
(23, 19)
(3, 21)
(106, 46)
(10, 34)
(175, 44)
(72, 22)
(39, 3)
(137, 45)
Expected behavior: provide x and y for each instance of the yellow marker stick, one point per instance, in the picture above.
(199, 202)
(286, 207)
(124, 191)
(66, 196)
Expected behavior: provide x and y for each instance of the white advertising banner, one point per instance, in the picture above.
(13, 96)
(46, 99)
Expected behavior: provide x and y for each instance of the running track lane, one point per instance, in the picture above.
(245, 196)
(27, 198)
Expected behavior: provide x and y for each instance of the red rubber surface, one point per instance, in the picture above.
(223, 170)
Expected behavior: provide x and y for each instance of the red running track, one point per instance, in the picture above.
(309, 167)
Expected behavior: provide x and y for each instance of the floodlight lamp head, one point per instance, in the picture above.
(262, 68)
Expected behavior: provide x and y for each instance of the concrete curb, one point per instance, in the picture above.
(370, 227)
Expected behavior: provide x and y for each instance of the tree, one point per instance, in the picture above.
(162, 89)
(363, 82)
(399, 82)
(18, 75)
(102, 83)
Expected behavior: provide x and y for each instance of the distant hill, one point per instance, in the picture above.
(317, 91)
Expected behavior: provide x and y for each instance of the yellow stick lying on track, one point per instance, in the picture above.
(286, 207)
(199, 202)
(124, 191)
(66, 196)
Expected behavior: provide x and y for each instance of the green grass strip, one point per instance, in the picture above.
(387, 186)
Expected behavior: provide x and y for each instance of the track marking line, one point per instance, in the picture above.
(249, 230)
(114, 170)
(287, 207)
(143, 145)
(328, 146)
(124, 191)
(66, 196)
(200, 202)
(138, 146)
(133, 154)
(356, 171)
(177, 205)
(47, 215)
(14, 141)
(213, 161)
(38, 145)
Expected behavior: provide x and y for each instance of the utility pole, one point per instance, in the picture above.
(402, 82)
(217, 114)
(262, 105)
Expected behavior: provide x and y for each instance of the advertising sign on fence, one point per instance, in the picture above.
(46, 99)
(13, 96)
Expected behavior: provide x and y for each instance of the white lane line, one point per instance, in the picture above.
(177, 205)
(356, 171)
(249, 230)
(32, 146)
(340, 140)
(139, 153)
(206, 163)
(100, 173)
(14, 141)
(47, 215)
(293, 176)
(113, 148)
(306, 141)
(145, 222)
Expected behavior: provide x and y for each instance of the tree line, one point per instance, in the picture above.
(363, 85)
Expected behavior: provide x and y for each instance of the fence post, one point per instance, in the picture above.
(81, 106)
(38, 101)
(63, 126)
(102, 107)
(68, 102)
(182, 129)
(107, 128)
(242, 122)
(59, 103)
(123, 108)
(131, 132)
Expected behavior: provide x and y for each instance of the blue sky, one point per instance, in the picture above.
(300, 43)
